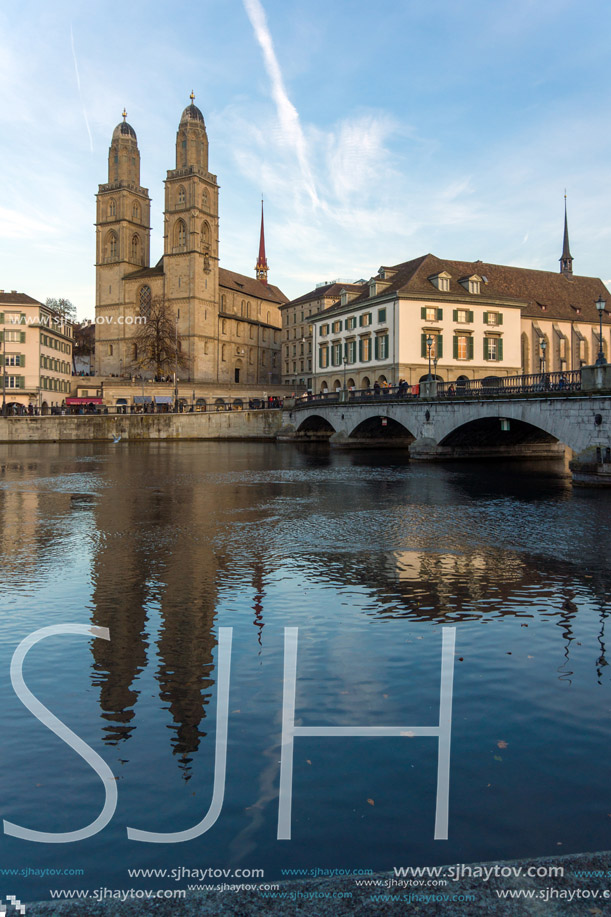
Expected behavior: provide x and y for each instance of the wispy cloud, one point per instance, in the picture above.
(78, 85)
(288, 116)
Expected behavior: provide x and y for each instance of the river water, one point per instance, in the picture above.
(369, 557)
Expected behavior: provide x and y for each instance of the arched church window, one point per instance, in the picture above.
(136, 212)
(145, 299)
(112, 247)
(205, 236)
(112, 208)
(204, 200)
(181, 195)
(242, 308)
(247, 310)
(136, 248)
(180, 235)
(223, 303)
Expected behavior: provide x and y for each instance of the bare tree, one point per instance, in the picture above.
(62, 308)
(157, 342)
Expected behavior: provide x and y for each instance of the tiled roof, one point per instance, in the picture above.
(327, 291)
(229, 280)
(240, 283)
(560, 295)
(143, 272)
(17, 299)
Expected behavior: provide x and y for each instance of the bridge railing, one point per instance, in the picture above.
(492, 387)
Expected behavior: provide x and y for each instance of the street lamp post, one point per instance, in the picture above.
(600, 305)
(429, 344)
(543, 352)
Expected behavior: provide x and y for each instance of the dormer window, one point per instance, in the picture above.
(441, 281)
(472, 284)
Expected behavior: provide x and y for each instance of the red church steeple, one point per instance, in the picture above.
(261, 265)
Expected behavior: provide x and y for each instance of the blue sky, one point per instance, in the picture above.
(376, 132)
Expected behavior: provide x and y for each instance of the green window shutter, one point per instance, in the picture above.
(470, 316)
(423, 312)
(469, 348)
(376, 348)
(486, 349)
(360, 321)
(485, 318)
(500, 321)
(500, 348)
(22, 337)
(20, 382)
(1, 318)
(424, 350)
(360, 350)
(439, 314)
(22, 359)
(439, 345)
(455, 315)
(455, 348)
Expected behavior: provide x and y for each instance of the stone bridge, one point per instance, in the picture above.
(503, 427)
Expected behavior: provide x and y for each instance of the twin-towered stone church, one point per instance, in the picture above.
(228, 323)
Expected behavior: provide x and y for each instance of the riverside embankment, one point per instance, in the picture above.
(262, 424)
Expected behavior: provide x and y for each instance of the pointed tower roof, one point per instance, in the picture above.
(261, 267)
(566, 260)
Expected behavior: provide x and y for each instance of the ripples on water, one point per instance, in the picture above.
(367, 555)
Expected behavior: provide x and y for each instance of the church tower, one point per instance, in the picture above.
(191, 251)
(261, 267)
(123, 217)
(566, 260)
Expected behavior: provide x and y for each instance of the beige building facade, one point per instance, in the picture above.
(36, 354)
(297, 329)
(228, 324)
(473, 319)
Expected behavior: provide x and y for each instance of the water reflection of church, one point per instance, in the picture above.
(156, 557)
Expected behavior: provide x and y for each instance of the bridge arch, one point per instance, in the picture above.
(379, 426)
(497, 431)
(316, 425)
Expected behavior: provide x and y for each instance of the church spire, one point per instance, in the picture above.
(261, 268)
(566, 261)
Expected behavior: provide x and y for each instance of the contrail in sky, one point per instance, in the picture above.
(78, 84)
(287, 113)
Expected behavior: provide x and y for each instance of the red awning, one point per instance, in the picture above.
(70, 401)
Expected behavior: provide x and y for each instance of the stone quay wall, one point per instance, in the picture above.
(257, 425)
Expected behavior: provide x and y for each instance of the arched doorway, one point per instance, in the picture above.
(366, 382)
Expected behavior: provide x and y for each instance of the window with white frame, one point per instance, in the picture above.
(381, 347)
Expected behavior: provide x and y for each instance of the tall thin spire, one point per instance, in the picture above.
(261, 268)
(566, 261)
